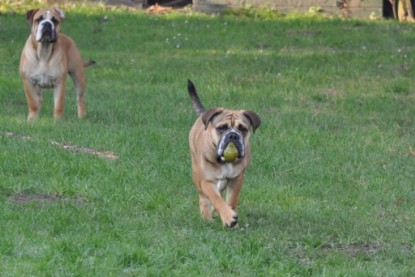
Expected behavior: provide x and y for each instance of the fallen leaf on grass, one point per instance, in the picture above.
(158, 9)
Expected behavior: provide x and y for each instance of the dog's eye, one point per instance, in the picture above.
(222, 128)
(242, 129)
(55, 21)
(39, 19)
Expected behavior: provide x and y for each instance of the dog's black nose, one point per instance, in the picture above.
(233, 136)
(47, 25)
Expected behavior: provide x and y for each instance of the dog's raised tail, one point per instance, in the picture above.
(197, 105)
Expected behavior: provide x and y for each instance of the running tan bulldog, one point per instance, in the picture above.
(46, 59)
(215, 133)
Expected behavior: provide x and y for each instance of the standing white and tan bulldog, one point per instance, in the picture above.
(220, 152)
(47, 58)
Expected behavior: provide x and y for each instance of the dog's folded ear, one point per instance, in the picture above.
(253, 118)
(29, 16)
(209, 115)
(60, 13)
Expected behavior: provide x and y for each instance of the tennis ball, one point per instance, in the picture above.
(231, 153)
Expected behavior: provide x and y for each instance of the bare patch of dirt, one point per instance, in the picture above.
(67, 146)
(74, 148)
(131, 3)
(353, 249)
(43, 198)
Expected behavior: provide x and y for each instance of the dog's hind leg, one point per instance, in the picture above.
(79, 81)
(205, 207)
(232, 191)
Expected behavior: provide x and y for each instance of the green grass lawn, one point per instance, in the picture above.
(330, 189)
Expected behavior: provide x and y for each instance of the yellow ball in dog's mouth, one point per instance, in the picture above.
(231, 153)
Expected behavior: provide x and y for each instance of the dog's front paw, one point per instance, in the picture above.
(230, 220)
(233, 222)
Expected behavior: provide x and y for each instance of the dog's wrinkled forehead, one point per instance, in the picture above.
(231, 117)
(49, 15)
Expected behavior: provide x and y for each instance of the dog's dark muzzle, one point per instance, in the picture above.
(48, 33)
(236, 139)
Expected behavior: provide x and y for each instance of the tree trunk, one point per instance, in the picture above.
(401, 11)
(393, 3)
(409, 11)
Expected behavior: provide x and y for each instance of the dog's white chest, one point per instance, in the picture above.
(227, 172)
(43, 81)
(221, 185)
(44, 77)
(40, 68)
